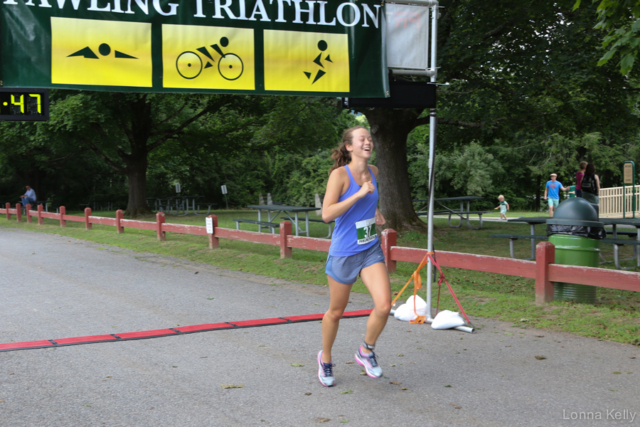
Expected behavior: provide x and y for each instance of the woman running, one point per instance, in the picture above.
(352, 199)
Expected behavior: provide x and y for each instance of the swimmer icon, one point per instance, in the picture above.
(189, 64)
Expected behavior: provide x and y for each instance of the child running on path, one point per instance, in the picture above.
(503, 206)
(352, 199)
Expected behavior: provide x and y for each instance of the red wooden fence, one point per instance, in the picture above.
(543, 270)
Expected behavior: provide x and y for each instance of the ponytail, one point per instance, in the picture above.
(341, 156)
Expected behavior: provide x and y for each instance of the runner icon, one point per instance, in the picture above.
(322, 45)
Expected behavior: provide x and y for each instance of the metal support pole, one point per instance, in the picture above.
(433, 123)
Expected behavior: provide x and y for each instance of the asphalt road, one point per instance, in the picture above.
(56, 287)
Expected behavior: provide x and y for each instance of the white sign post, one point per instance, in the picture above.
(178, 189)
(209, 222)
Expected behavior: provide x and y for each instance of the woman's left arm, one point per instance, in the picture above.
(598, 183)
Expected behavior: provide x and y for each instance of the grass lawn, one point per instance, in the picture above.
(615, 316)
(515, 214)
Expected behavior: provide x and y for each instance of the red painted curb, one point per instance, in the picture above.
(25, 345)
(259, 322)
(157, 333)
(203, 328)
(83, 340)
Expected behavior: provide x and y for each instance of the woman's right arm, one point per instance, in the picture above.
(331, 208)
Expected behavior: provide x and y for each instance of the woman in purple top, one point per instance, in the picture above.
(579, 175)
(351, 200)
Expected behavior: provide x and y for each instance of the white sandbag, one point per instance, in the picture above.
(446, 320)
(405, 313)
(421, 305)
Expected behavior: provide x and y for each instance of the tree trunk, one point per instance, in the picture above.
(137, 176)
(137, 161)
(390, 129)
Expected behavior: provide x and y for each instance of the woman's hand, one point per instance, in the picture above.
(367, 188)
(379, 218)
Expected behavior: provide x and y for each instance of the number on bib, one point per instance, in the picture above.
(366, 231)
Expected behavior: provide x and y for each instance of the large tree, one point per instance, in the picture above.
(620, 19)
(60, 171)
(261, 158)
(123, 129)
(516, 69)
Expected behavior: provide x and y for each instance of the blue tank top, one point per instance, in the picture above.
(355, 229)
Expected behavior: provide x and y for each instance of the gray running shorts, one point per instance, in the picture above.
(345, 269)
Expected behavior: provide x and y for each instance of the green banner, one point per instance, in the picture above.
(283, 47)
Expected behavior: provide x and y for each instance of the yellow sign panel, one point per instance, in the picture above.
(101, 53)
(198, 57)
(306, 62)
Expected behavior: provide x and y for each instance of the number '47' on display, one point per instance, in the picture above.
(24, 104)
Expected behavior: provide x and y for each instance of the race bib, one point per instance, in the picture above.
(366, 231)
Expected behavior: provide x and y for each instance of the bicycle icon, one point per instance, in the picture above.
(190, 65)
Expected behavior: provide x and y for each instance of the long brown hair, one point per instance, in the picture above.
(341, 156)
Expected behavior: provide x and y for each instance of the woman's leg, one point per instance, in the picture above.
(339, 294)
(376, 279)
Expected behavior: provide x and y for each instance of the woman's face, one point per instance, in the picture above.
(361, 144)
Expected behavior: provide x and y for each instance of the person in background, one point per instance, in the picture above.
(590, 185)
(503, 206)
(28, 197)
(579, 175)
(552, 190)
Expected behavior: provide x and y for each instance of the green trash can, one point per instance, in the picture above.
(575, 232)
(572, 191)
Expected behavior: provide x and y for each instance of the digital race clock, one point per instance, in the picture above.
(24, 104)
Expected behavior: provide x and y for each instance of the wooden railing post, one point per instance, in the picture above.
(40, 219)
(545, 255)
(389, 239)
(63, 212)
(285, 230)
(28, 212)
(162, 235)
(87, 214)
(8, 206)
(19, 211)
(214, 242)
(119, 216)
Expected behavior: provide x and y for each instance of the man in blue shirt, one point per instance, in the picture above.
(28, 197)
(553, 191)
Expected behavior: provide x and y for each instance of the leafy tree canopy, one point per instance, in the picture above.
(621, 20)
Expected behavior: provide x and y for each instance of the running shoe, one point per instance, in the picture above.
(369, 362)
(325, 372)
